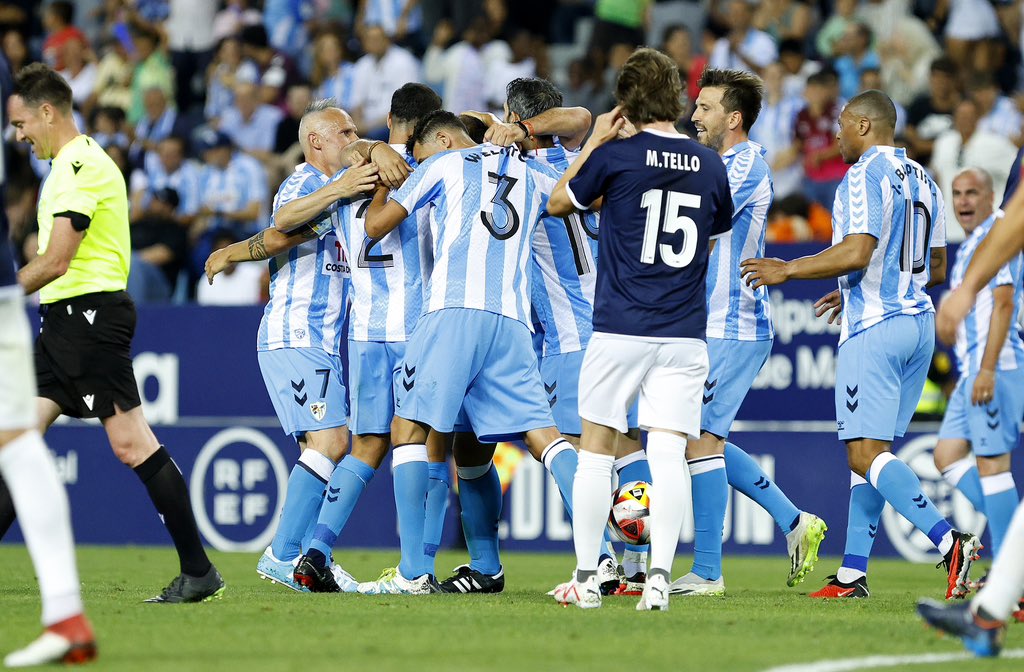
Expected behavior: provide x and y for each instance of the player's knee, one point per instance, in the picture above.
(996, 464)
(370, 448)
(130, 449)
(948, 452)
(406, 431)
(537, 440)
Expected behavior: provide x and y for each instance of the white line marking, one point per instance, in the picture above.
(870, 662)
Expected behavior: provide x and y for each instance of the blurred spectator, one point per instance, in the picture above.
(159, 250)
(270, 62)
(15, 50)
(59, 21)
(285, 23)
(884, 16)
(461, 69)
(744, 47)
(971, 32)
(796, 68)
(931, 113)
(151, 71)
(906, 57)
(159, 121)
(167, 168)
(191, 40)
(287, 151)
(966, 144)
(999, 114)
(398, 18)
(107, 127)
(678, 43)
(378, 74)
(585, 86)
(871, 78)
(333, 75)
(79, 71)
(501, 71)
(228, 69)
(855, 56)
(774, 131)
(619, 22)
(832, 31)
(238, 285)
(784, 19)
(113, 78)
(794, 219)
(147, 13)
(815, 136)
(236, 15)
(233, 187)
(251, 125)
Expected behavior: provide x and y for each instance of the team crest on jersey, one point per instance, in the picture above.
(300, 333)
(319, 410)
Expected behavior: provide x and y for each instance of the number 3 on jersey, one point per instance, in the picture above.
(503, 186)
(656, 202)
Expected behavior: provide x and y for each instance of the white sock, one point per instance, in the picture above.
(591, 503)
(318, 463)
(634, 562)
(41, 504)
(669, 494)
(954, 472)
(847, 575)
(1005, 582)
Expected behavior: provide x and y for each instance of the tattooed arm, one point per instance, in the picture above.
(266, 244)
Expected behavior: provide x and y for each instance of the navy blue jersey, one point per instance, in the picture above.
(1013, 179)
(665, 197)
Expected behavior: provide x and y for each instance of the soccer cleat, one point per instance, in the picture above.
(980, 636)
(691, 584)
(277, 571)
(346, 582)
(70, 642)
(608, 576)
(185, 588)
(1019, 614)
(803, 543)
(468, 580)
(633, 585)
(957, 563)
(315, 576)
(835, 589)
(391, 582)
(585, 595)
(655, 595)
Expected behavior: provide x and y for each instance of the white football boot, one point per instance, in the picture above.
(391, 582)
(655, 596)
(803, 544)
(585, 595)
(691, 584)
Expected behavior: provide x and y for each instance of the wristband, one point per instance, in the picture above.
(527, 129)
(369, 152)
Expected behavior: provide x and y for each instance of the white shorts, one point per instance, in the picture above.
(667, 376)
(18, 382)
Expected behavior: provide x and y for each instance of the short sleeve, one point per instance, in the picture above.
(424, 184)
(938, 233)
(862, 202)
(722, 223)
(589, 183)
(77, 184)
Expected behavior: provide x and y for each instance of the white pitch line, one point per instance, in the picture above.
(870, 662)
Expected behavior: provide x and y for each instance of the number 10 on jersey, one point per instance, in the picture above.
(663, 215)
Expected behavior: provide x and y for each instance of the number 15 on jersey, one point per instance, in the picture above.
(663, 215)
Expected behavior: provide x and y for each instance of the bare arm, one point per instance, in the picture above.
(606, 128)
(383, 216)
(571, 124)
(850, 255)
(390, 164)
(54, 263)
(1002, 316)
(299, 211)
(937, 275)
(266, 244)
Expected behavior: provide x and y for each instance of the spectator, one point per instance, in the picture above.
(378, 74)
(678, 44)
(228, 69)
(832, 31)
(744, 47)
(461, 69)
(333, 74)
(113, 78)
(108, 127)
(815, 136)
(796, 68)
(251, 125)
(268, 60)
(59, 20)
(999, 114)
(233, 188)
(884, 16)
(784, 19)
(159, 250)
(167, 168)
(971, 33)
(15, 50)
(285, 23)
(79, 71)
(871, 78)
(151, 71)
(619, 22)
(906, 57)
(774, 131)
(159, 120)
(237, 285)
(856, 56)
(400, 19)
(585, 86)
(966, 144)
(191, 40)
(237, 14)
(501, 71)
(931, 113)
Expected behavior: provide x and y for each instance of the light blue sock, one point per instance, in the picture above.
(560, 459)
(343, 491)
(901, 487)
(480, 497)
(710, 496)
(437, 506)
(302, 501)
(1001, 501)
(865, 510)
(411, 476)
(634, 468)
(747, 476)
(963, 475)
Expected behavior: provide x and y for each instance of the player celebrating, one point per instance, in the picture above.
(740, 337)
(889, 238)
(988, 402)
(82, 355)
(665, 198)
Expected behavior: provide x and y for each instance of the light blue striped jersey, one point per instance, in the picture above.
(564, 269)
(735, 311)
(387, 283)
(185, 181)
(385, 13)
(972, 336)
(309, 283)
(340, 87)
(232, 188)
(484, 204)
(892, 198)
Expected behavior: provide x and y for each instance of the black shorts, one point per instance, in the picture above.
(83, 354)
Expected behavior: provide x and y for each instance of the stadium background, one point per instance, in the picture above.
(253, 64)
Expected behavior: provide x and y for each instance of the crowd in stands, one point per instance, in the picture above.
(198, 101)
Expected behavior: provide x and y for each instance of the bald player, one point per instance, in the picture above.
(888, 245)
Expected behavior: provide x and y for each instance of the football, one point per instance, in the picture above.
(631, 505)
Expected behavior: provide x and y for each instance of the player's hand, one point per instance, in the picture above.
(628, 130)
(606, 127)
(391, 166)
(764, 272)
(504, 135)
(833, 301)
(217, 263)
(357, 181)
(952, 311)
(984, 387)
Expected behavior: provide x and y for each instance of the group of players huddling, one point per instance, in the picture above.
(465, 238)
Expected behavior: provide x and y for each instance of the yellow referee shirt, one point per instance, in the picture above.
(84, 180)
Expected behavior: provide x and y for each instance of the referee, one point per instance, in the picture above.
(83, 365)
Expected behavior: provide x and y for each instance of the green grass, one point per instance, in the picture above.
(258, 626)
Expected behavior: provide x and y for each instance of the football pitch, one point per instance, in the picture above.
(759, 625)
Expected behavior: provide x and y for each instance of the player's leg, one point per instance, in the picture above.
(710, 487)
(47, 412)
(438, 491)
(862, 525)
(631, 465)
(952, 453)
